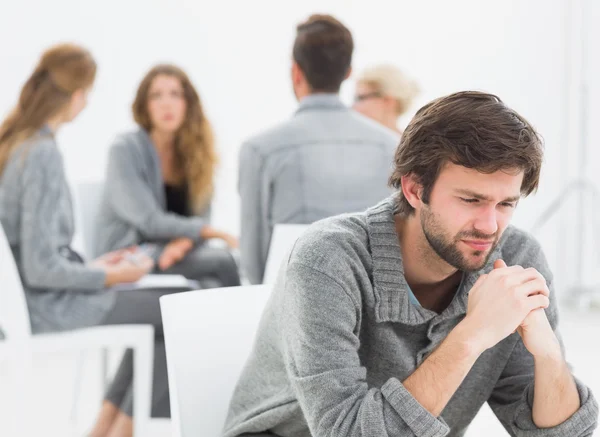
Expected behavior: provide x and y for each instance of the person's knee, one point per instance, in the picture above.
(227, 262)
(210, 282)
(213, 262)
(225, 267)
(217, 258)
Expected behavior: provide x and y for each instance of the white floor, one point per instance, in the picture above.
(60, 410)
(51, 409)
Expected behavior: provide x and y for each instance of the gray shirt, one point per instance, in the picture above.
(36, 213)
(133, 207)
(325, 161)
(339, 335)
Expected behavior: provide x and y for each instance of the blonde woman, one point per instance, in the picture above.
(159, 183)
(384, 93)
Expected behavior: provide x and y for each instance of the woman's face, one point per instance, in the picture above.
(77, 104)
(166, 103)
(369, 102)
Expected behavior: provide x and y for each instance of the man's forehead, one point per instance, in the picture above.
(502, 183)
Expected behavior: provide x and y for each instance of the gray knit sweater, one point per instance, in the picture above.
(133, 207)
(37, 216)
(339, 335)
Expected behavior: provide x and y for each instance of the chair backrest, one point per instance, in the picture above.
(209, 335)
(88, 196)
(282, 241)
(14, 315)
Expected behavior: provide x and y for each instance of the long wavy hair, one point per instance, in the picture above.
(62, 70)
(195, 155)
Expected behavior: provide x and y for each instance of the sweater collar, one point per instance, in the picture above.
(392, 303)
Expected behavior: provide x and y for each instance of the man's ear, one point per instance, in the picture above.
(412, 190)
(297, 74)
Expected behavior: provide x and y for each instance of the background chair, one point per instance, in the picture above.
(282, 241)
(20, 347)
(209, 335)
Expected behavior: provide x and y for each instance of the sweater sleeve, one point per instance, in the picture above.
(131, 198)
(512, 397)
(320, 342)
(42, 264)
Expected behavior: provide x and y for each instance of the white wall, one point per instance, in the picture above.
(238, 55)
(583, 153)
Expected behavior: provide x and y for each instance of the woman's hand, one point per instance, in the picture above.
(114, 257)
(208, 233)
(231, 241)
(130, 268)
(124, 265)
(174, 252)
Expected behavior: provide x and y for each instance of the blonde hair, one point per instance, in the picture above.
(195, 153)
(62, 70)
(390, 81)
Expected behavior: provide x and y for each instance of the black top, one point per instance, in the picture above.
(177, 199)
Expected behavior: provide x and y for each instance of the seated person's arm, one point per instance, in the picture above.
(498, 303)
(536, 388)
(41, 263)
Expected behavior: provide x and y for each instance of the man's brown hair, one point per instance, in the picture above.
(471, 129)
(323, 51)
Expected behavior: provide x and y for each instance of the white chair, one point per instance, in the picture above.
(20, 346)
(13, 360)
(209, 335)
(282, 241)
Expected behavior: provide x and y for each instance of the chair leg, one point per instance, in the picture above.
(21, 372)
(77, 387)
(104, 368)
(143, 363)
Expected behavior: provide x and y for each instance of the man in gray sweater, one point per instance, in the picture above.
(326, 160)
(404, 320)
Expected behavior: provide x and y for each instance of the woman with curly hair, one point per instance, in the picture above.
(159, 184)
(157, 195)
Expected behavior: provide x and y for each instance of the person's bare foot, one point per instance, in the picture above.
(106, 417)
(122, 426)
